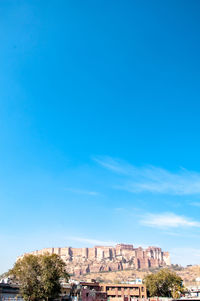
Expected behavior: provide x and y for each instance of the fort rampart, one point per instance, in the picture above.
(108, 258)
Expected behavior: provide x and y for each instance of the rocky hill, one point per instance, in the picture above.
(188, 274)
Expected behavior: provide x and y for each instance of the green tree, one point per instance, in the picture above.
(164, 283)
(39, 276)
(52, 270)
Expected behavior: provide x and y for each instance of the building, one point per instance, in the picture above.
(9, 292)
(193, 291)
(116, 291)
(81, 261)
(93, 295)
(84, 291)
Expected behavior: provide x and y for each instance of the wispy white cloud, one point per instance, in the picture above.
(82, 191)
(168, 220)
(196, 204)
(185, 255)
(96, 242)
(179, 233)
(153, 179)
(115, 165)
(92, 241)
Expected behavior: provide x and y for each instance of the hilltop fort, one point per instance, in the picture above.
(80, 261)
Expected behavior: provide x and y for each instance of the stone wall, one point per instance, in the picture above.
(102, 258)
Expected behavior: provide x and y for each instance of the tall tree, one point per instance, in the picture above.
(39, 276)
(164, 283)
(52, 270)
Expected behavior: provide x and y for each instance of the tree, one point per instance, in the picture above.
(164, 283)
(39, 276)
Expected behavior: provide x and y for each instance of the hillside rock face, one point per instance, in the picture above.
(81, 261)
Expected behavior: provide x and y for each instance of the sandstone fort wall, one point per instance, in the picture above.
(102, 258)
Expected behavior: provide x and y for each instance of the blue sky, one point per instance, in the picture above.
(100, 106)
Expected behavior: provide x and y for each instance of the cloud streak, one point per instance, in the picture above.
(92, 241)
(196, 204)
(114, 165)
(168, 220)
(183, 255)
(153, 179)
(81, 191)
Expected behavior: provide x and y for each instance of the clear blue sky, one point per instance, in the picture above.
(100, 125)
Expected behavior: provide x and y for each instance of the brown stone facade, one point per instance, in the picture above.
(80, 261)
(115, 292)
(119, 291)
